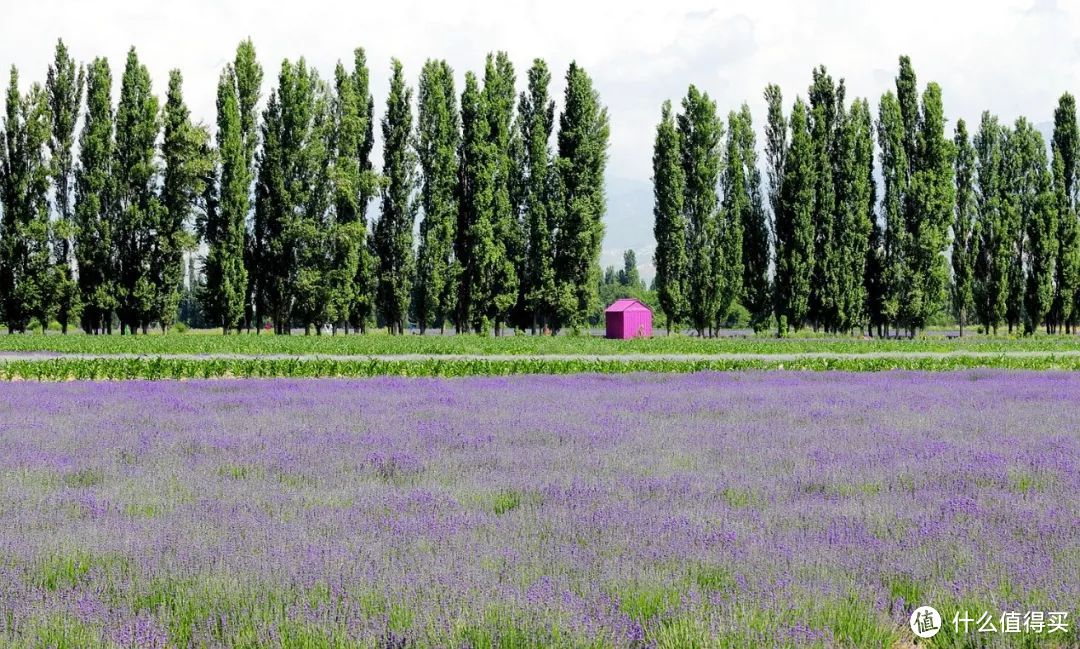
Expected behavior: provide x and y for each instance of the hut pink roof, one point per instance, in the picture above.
(627, 304)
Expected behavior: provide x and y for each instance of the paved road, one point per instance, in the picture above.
(40, 356)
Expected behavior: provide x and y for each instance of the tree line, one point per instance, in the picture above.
(102, 234)
(983, 226)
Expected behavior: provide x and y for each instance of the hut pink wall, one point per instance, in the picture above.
(635, 321)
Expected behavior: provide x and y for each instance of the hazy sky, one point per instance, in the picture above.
(1012, 57)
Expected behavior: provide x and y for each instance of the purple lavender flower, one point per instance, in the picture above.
(761, 509)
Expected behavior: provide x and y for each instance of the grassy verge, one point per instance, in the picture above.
(381, 344)
(65, 369)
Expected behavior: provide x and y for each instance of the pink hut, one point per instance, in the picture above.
(628, 318)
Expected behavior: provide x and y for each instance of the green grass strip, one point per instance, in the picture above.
(374, 344)
(158, 368)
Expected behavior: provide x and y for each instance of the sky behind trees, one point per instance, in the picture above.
(1013, 57)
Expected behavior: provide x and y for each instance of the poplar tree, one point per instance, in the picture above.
(94, 203)
(629, 275)
(185, 151)
(290, 195)
(64, 85)
(990, 287)
(438, 135)
(669, 224)
(700, 133)
(247, 78)
(1013, 226)
(1066, 154)
(776, 146)
(394, 229)
(826, 101)
(933, 199)
(362, 303)
(27, 274)
(965, 233)
(736, 210)
(757, 288)
(475, 246)
(315, 236)
(537, 118)
(894, 241)
(138, 209)
(226, 275)
(874, 281)
(499, 97)
(582, 157)
(268, 223)
(1033, 190)
(795, 226)
(856, 198)
(354, 182)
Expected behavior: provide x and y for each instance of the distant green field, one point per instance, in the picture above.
(382, 344)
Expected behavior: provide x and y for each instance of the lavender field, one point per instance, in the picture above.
(700, 510)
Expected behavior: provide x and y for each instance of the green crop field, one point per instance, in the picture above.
(381, 344)
(66, 369)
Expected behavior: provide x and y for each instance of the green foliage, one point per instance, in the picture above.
(138, 209)
(754, 222)
(536, 117)
(64, 87)
(795, 226)
(226, 284)
(507, 235)
(355, 186)
(965, 235)
(394, 229)
(893, 236)
(292, 198)
(856, 202)
(736, 210)
(629, 275)
(855, 624)
(646, 604)
(700, 132)
(476, 252)
(992, 259)
(511, 233)
(582, 158)
(505, 501)
(438, 138)
(1040, 217)
(203, 342)
(94, 191)
(161, 368)
(248, 77)
(669, 225)
(186, 153)
(28, 277)
(826, 112)
(920, 191)
(1066, 168)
